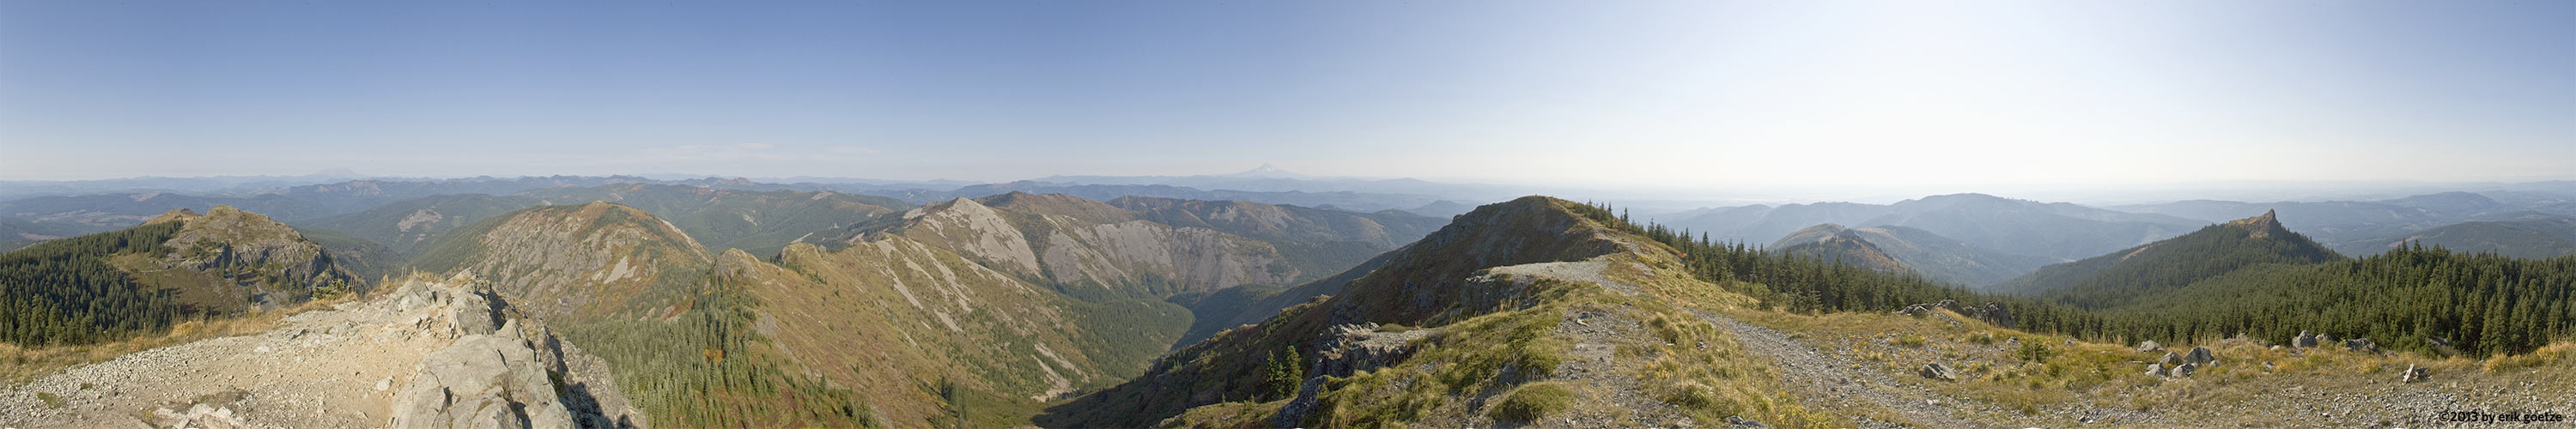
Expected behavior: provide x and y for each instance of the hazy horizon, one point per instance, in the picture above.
(1883, 97)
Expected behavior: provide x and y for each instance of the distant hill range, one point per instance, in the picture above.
(1909, 250)
(2361, 228)
(2530, 236)
(2056, 230)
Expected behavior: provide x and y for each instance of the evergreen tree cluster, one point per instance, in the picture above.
(708, 367)
(2412, 298)
(66, 291)
(2119, 278)
(2481, 304)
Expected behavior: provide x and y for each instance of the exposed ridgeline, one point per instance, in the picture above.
(2118, 278)
(845, 337)
(576, 261)
(1084, 248)
(112, 285)
(759, 222)
(635, 291)
(1922, 252)
(755, 221)
(1521, 304)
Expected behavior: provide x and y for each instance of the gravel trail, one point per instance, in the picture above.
(1823, 378)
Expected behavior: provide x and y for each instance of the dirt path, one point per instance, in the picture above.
(1826, 379)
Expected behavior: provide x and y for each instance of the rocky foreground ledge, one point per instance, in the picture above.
(429, 354)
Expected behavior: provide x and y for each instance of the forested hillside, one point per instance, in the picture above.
(2117, 278)
(66, 292)
(2482, 304)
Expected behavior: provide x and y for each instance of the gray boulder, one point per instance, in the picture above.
(1938, 372)
(481, 381)
(2200, 355)
(2185, 370)
(2171, 359)
(2414, 374)
(2305, 340)
(1349, 349)
(2150, 347)
(2155, 369)
(2361, 345)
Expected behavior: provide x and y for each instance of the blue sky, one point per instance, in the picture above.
(1675, 94)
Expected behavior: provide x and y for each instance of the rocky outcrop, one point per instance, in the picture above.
(259, 261)
(437, 354)
(2150, 347)
(2361, 345)
(2186, 369)
(2305, 340)
(2414, 374)
(1349, 349)
(2201, 356)
(1937, 371)
(490, 377)
(482, 381)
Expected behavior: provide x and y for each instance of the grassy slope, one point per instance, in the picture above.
(1490, 336)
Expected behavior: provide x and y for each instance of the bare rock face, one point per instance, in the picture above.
(1348, 349)
(490, 377)
(481, 381)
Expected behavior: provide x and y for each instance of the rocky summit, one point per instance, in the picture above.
(432, 353)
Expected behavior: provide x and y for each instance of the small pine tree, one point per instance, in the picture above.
(1282, 375)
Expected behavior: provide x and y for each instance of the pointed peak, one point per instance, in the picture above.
(2261, 226)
